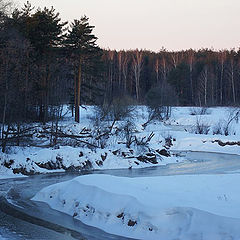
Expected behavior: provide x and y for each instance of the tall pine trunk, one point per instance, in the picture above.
(5, 100)
(26, 87)
(78, 91)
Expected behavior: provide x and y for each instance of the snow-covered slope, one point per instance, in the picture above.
(201, 207)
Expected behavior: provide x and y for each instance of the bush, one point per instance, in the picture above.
(118, 109)
(127, 131)
(105, 118)
(224, 127)
(201, 127)
(218, 128)
(199, 111)
(159, 102)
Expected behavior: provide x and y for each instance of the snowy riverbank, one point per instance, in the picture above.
(177, 133)
(173, 207)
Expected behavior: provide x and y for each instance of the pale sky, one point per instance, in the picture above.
(151, 24)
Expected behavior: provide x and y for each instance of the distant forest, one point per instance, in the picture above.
(45, 63)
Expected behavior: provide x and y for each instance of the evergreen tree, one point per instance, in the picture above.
(45, 31)
(43, 28)
(81, 44)
(178, 79)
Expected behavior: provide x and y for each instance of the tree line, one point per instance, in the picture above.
(45, 63)
(204, 77)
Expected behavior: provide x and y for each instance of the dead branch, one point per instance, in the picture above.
(144, 140)
(107, 133)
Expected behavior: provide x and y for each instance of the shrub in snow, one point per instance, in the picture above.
(168, 139)
(224, 127)
(159, 101)
(218, 128)
(199, 111)
(201, 127)
(115, 110)
(144, 141)
(127, 131)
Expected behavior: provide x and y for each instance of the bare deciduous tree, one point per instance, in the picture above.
(120, 60)
(191, 62)
(157, 70)
(231, 77)
(222, 59)
(203, 81)
(125, 60)
(137, 68)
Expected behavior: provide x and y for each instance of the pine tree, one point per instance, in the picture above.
(45, 31)
(81, 44)
(43, 27)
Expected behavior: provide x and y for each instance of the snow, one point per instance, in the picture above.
(186, 140)
(7, 173)
(179, 127)
(167, 207)
(183, 207)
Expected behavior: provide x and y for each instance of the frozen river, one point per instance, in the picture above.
(21, 218)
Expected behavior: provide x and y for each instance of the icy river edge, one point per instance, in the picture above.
(198, 163)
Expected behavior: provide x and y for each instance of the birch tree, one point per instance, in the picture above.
(231, 77)
(163, 69)
(222, 59)
(190, 59)
(125, 61)
(137, 68)
(157, 70)
(203, 82)
(120, 59)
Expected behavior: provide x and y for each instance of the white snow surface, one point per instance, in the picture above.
(7, 173)
(188, 207)
(179, 127)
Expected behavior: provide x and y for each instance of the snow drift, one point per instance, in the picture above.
(173, 207)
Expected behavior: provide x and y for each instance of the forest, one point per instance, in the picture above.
(46, 63)
(110, 143)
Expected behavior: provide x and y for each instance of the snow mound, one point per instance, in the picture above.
(174, 207)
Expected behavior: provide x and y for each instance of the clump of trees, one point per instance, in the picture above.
(44, 63)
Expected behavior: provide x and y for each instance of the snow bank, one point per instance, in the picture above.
(6, 173)
(204, 143)
(172, 207)
(115, 154)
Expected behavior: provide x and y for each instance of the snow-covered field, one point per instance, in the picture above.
(179, 129)
(193, 207)
(216, 118)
